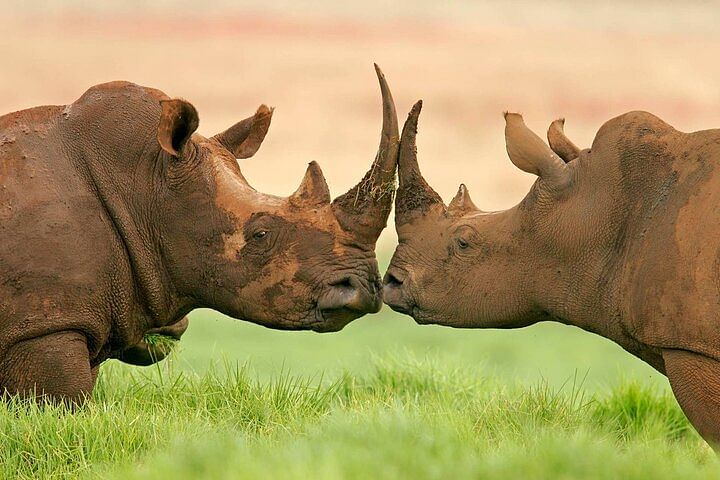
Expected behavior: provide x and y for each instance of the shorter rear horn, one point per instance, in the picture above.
(313, 190)
(461, 204)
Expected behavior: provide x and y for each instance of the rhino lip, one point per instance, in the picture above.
(395, 293)
(421, 319)
(411, 309)
(347, 297)
(404, 304)
(402, 308)
(333, 320)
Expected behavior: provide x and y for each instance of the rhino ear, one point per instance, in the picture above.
(245, 137)
(313, 190)
(461, 204)
(530, 154)
(559, 143)
(178, 121)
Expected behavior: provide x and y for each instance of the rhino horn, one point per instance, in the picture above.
(364, 209)
(530, 154)
(559, 143)
(461, 204)
(245, 137)
(313, 190)
(415, 197)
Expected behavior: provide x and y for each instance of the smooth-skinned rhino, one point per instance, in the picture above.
(619, 239)
(117, 219)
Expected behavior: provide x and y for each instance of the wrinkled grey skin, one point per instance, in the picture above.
(621, 239)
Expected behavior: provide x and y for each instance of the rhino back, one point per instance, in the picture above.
(669, 285)
(56, 242)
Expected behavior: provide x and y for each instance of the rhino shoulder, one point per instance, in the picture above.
(632, 127)
(118, 91)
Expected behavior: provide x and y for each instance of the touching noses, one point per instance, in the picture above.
(393, 291)
(349, 293)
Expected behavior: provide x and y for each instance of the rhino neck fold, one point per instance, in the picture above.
(151, 284)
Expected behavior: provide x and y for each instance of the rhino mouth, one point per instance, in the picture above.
(333, 320)
(421, 318)
(397, 297)
(345, 298)
(395, 293)
(403, 308)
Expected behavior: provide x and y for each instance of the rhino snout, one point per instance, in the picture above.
(347, 298)
(393, 293)
(349, 292)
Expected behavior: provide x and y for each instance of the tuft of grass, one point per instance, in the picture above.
(632, 408)
(162, 343)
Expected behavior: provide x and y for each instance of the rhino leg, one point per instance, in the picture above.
(53, 368)
(695, 381)
(94, 374)
(144, 354)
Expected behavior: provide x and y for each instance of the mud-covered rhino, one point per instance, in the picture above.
(620, 239)
(117, 219)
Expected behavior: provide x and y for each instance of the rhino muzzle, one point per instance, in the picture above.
(363, 212)
(393, 292)
(346, 298)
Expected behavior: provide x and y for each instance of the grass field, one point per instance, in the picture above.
(384, 398)
(403, 417)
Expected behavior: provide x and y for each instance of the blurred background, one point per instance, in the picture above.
(467, 60)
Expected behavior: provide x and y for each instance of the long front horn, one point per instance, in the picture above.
(415, 197)
(364, 209)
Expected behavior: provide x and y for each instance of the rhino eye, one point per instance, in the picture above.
(259, 234)
(462, 243)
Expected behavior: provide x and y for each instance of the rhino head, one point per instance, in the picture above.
(296, 262)
(199, 235)
(459, 266)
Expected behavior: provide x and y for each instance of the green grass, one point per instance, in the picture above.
(384, 398)
(403, 418)
(163, 342)
(549, 351)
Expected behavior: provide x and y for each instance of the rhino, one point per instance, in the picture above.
(618, 239)
(118, 219)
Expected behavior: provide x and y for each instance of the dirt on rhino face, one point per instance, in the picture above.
(117, 219)
(620, 239)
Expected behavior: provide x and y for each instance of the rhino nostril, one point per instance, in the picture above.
(395, 294)
(344, 282)
(349, 293)
(392, 281)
